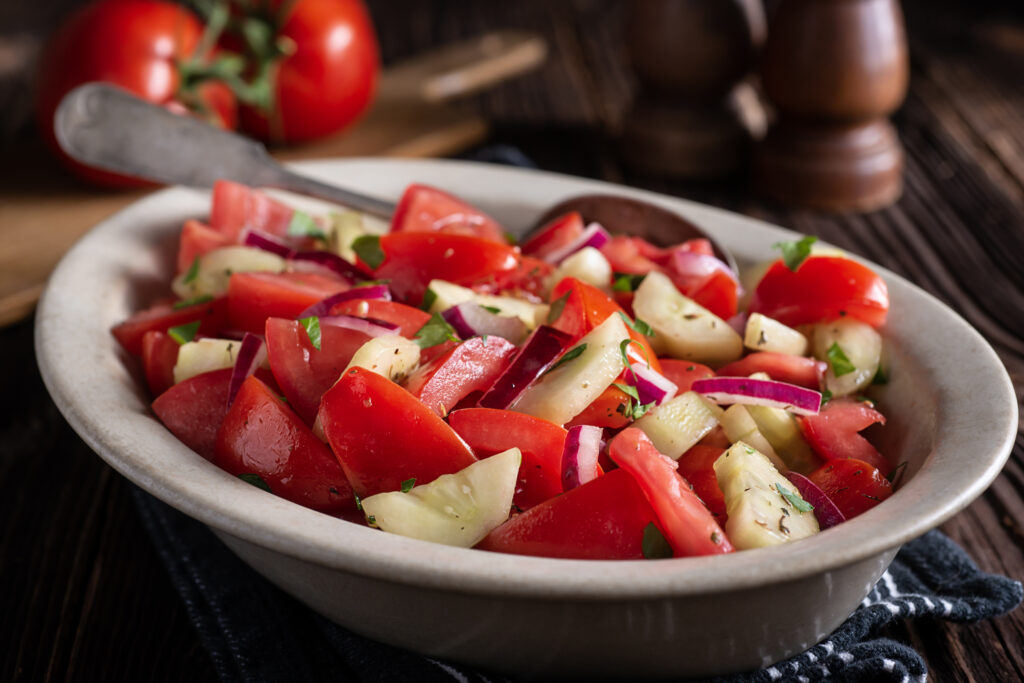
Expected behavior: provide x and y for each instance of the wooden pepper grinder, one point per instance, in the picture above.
(835, 70)
(689, 56)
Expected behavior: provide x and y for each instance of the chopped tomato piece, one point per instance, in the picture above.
(528, 280)
(823, 288)
(832, 433)
(194, 409)
(383, 436)
(683, 519)
(697, 465)
(603, 519)
(197, 239)
(853, 485)
(159, 354)
(489, 431)
(684, 373)
(627, 255)
(261, 435)
(608, 410)
(427, 209)
(237, 207)
(783, 367)
(555, 235)
(162, 316)
(254, 297)
(303, 372)
(471, 366)
(413, 259)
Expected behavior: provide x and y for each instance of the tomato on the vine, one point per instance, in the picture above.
(321, 60)
(143, 46)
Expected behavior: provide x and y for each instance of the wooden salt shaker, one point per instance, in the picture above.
(834, 70)
(689, 56)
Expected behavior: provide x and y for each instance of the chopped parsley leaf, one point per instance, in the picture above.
(793, 499)
(637, 325)
(408, 484)
(491, 309)
(435, 331)
(654, 546)
(312, 325)
(627, 282)
(568, 356)
(429, 297)
(183, 334)
(256, 480)
(193, 272)
(185, 303)
(795, 253)
(557, 306)
(880, 376)
(826, 396)
(841, 365)
(303, 225)
(367, 248)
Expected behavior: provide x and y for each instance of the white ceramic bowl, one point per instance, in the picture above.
(952, 416)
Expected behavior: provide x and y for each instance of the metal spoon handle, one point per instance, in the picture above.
(108, 128)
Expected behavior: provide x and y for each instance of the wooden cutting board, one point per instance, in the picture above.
(43, 210)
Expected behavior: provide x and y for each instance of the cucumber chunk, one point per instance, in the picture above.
(686, 329)
(740, 426)
(455, 509)
(390, 355)
(862, 346)
(765, 334)
(447, 295)
(676, 425)
(205, 355)
(587, 265)
(759, 513)
(216, 267)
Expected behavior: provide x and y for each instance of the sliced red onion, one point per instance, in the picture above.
(824, 509)
(254, 238)
(372, 328)
(594, 235)
(697, 266)
(470, 319)
(334, 263)
(652, 385)
(579, 456)
(739, 322)
(323, 307)
(759, 392)
(539, 351)
(251, 354)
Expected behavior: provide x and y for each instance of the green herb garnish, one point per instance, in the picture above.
(841, 365)
(794, 253)
(408, 484)
(303, 225)
(429, 297)
(367, 248)
(793, 499)
(359, 501)
(557, 306)
(193, 272)
(633, 410)
(826, 396)
(568, 356)
(637, 325)
(626, 282)
(312, 325)
(654, 546)
(896, 472)
(183, 334)
(491, 309)
(256, 480)
(435, 331)
(185, 303)
(880, 376)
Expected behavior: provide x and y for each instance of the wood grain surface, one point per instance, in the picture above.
(82, 594)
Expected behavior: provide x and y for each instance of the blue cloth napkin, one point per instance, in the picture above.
(254, 632)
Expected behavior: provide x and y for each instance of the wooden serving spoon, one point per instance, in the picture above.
(111, 129)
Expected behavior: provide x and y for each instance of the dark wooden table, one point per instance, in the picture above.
(82, 593)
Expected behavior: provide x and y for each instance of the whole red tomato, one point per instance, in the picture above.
(137, 45)
(327, 73)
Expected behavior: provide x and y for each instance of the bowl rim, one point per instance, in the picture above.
(74, 305)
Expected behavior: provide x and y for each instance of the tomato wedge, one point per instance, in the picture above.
(853, 485)
(471, 366)
(261, 435)
(254, 297)
(489, 431)
(608, 410)
(162, 316)
(383, 436)
(683, 519)
(823, 288)
(197, 239)
(413, 259)
(783, 367)
(236, 208)
(555, 235)
(603, 519)
(159, 354)
(697, 466)
(684, 373)
(832, 433)
(193, 410)
(426, 209)
(303, 372)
